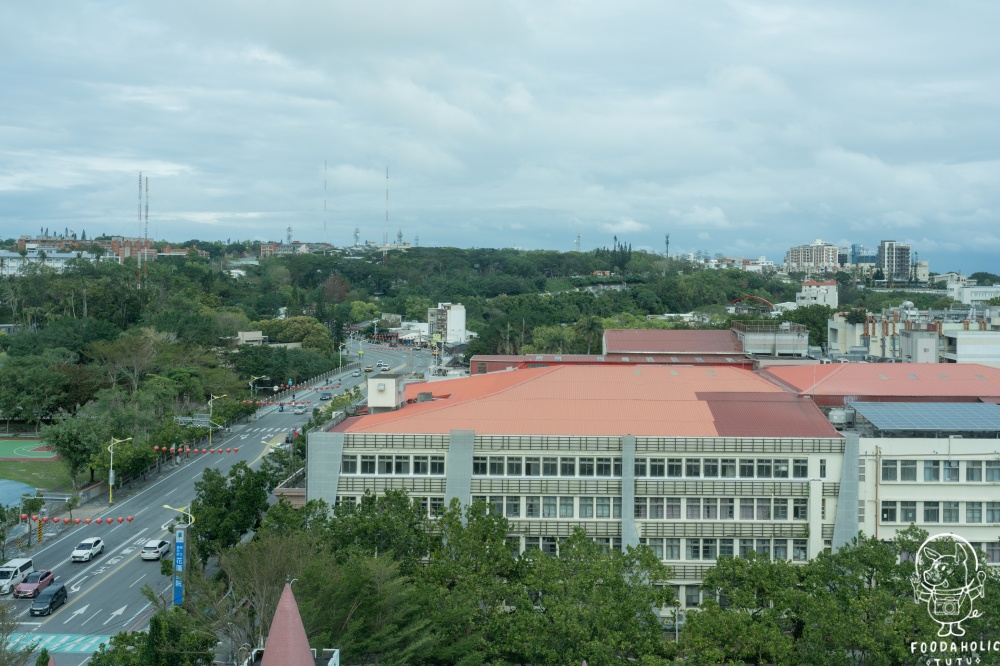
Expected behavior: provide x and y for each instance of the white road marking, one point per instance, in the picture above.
(116, 613)
(79, 611)
(137, 580)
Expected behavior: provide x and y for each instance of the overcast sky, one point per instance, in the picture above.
(737, 127)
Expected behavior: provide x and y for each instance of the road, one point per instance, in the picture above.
(105, 594)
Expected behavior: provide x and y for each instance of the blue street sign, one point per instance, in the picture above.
(178, 567)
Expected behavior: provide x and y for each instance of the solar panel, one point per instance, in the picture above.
(931, 416)
(625, 359)
(649, 359)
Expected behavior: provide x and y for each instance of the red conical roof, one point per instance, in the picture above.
(287, 644)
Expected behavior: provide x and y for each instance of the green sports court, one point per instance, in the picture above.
(19, 448)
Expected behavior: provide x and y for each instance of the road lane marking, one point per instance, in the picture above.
(137, 580)
(79, 611)
(116, 613)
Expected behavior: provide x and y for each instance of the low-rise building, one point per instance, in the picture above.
(817, 292)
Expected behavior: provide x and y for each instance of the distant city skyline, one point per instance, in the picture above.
(738, 128)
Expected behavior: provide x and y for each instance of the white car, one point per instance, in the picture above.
(300, 410)
(155, 549)
(88, 550)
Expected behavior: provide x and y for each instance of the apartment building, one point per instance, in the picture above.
(817, 256)
(446, 323)
(817, 292)
(894, 260)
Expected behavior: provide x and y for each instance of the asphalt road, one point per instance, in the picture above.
(104, 594)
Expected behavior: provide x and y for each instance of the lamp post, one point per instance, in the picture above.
(183, 510)
(211, 423)
(253, 385)
(111, 467)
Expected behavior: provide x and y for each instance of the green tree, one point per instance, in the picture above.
(391, 525)
(10, 654)
(226, 507)
(471, 573)
(590, 330)
(589, 604)
(756, 625)
(173, 639)
(77, 439)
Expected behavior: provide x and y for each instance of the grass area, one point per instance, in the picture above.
(555, 285)
(44, 475)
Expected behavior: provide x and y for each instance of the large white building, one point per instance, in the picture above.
(447, 320)
(695, 462)
(894, 260)
(817, 293)
(14, 263)
(974, 295)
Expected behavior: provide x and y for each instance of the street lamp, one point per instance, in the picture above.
(111, 467)
(184, 511)
(211, 423)
(253, 384)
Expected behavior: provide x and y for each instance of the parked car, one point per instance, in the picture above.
(34, 583)
(155, 549)
(301, 409)
(49, 599)
(326, 395)
(88, 550)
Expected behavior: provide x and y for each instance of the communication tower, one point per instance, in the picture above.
(576, 243)
(357, 236)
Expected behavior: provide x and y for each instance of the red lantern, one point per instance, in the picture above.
(235, 450)
(309, 402)
(24, 516)
(45, 519)
(128, 518)
(76, 521)
(34, 516)
(172, 450)
(65, 521)
(204, 450)
(120, 520)
(99, 520)
(211, 450)
(228, 450)
(87, 521)
(108, 520)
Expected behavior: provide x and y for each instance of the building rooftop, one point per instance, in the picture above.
(944, 380)
(676, 341)
(664, 401)
(287, 643)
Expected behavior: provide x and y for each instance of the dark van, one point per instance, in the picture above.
(49, 599)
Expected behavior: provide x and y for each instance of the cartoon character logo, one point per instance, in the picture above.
(948, 580)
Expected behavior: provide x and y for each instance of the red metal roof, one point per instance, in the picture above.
(665, 401)
(946, 380)
(684, 358)
(674, 341)
(287, 643)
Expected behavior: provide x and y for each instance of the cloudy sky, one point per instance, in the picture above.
(737, 127)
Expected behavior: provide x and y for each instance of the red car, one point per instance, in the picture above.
(34, 583)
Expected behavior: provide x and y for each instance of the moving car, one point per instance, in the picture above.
(49, 599)
(289, 438)
(88, 550)
(326, 395)
(13, 573)
(300, 409)
(34, 583)
(155, 549)
(356, 373)
(369, 369)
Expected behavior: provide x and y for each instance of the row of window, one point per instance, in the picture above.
(649, 508)
(721, 508)
(939, 512)
(393, 464)
(664, 468)
(948, 471)
(669, 549)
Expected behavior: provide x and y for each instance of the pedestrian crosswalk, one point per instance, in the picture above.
(263, 430)
(74, 643)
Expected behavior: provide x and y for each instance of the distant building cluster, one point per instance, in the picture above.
(56, 251)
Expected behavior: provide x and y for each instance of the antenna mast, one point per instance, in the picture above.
(385, 238)
(145, 232)
(666, 251)
(138, 267)
(576, 243)
(324, 206)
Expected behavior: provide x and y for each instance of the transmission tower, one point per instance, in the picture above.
(385, 238)
(145, 231)
(288, 234)
(357, 236)
(666, 243)
(576, 243)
